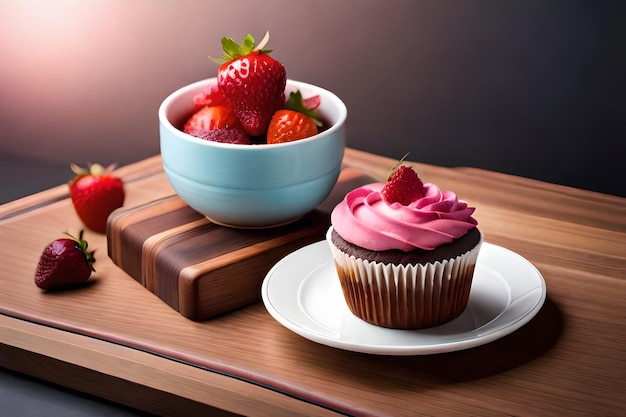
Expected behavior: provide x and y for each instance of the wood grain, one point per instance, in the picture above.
(197, 267)
(114, 336)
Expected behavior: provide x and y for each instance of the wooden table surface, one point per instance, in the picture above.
(118, 341)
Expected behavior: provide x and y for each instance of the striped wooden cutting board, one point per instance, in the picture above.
(202, 269)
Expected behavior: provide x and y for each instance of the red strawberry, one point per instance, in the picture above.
(95, 193)
(403, 186)
(237, 136)
(210, 98)
(296, 121)
(214, 117)
(252, 82)
(290, 125)
(64, 262)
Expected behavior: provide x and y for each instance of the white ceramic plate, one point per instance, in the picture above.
(302, 292)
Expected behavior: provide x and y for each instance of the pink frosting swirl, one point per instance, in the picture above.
(364, 219)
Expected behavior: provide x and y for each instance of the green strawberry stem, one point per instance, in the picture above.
(395, 168)
(296, 103)
(93, 169)
(233, 50)
(82, 245)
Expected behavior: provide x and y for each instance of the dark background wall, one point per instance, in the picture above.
(534, 88)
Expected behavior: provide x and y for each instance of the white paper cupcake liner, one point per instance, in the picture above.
(406, 296)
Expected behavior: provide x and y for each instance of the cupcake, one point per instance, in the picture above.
(404, 251)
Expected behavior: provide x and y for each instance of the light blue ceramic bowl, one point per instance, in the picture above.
(252, 186)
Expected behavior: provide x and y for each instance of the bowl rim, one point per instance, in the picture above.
(165, 122)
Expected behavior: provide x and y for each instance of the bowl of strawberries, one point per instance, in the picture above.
(251, 148)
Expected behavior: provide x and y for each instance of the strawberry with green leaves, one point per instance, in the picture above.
(64, 262)
(252, 82)
(95, 193)
(298, 120)
(403, 185)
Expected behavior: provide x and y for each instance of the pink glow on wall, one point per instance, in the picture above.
(51, 43)
(71, 69)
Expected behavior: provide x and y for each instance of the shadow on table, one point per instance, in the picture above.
(516, 349)
(520, 347)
